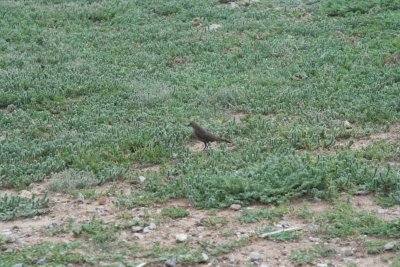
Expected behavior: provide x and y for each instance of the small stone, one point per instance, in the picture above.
(347, 260)
(102, 200)
(233, 5)
(316, 199)
(41, 261)
(362, 193)
(382, 211)
(322, 265)
(264, 264)
(254, 256)
(18, 265)
(146, 230)
(138, 236)
(142, 179)
(11, 108)
(80, 198)
(170, 262)
(390, 245)
(347, 124)
(25, 194)
(235, 207)
(204, 257)
(396, 213)
(347, 252)
(70, 265)
(152, 226)
(197, 21)
(330, 251)
(314, 239)
(181, 238)
(136, 229)
(214, 27)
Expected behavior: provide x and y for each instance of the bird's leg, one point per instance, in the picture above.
(205, 145)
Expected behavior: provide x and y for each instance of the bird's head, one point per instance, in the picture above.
(191, 124)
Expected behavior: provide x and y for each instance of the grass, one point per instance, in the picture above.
(91, 88)
(174, 213)
(14, 207)
(256, 215)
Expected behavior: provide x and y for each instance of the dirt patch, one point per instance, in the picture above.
(206, 230)
(392, 135)
(146, 167)
(239, 117)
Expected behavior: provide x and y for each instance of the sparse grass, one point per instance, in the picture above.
(174, 213)
(302, 257)
(69, 180)
(214, 221)
(256, 215)
(55, 254)
(344, 221)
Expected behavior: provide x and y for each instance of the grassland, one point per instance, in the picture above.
(91, 89)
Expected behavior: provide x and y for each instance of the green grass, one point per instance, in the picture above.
(256, 215)
(90, 88)
(174, 213)
(345, 221)
(14, 207)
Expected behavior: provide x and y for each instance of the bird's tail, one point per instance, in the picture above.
(225, 140)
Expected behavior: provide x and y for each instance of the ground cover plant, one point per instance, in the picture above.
(91, 92)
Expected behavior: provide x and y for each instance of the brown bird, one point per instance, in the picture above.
(204, 136)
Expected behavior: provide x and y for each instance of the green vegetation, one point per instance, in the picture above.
(13, 207)
(174, 213)
(69, 180)
(256, 215)
(345, 221)
(54, 254)
(89, 89)
(307, 256)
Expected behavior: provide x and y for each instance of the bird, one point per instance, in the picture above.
(204, 136)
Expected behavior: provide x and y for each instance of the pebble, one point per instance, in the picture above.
(146, 230)
(18, 265)
(41, 261)
(314, 239)
(138, 236)
(142, 179)
(347, 124)
(102, 200)
(396, 213)
(11, 108)
(136, 229)
(214, 27)
(204, 257)
(235, 207)
(322, 265)
(254, 256)
(347, 252)
(362, 192)
(152, 226)
(347, 260)
(382, 211)
(390, 245)
(181, 238)
(264, 265)
(170, 262)
(233, 5)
